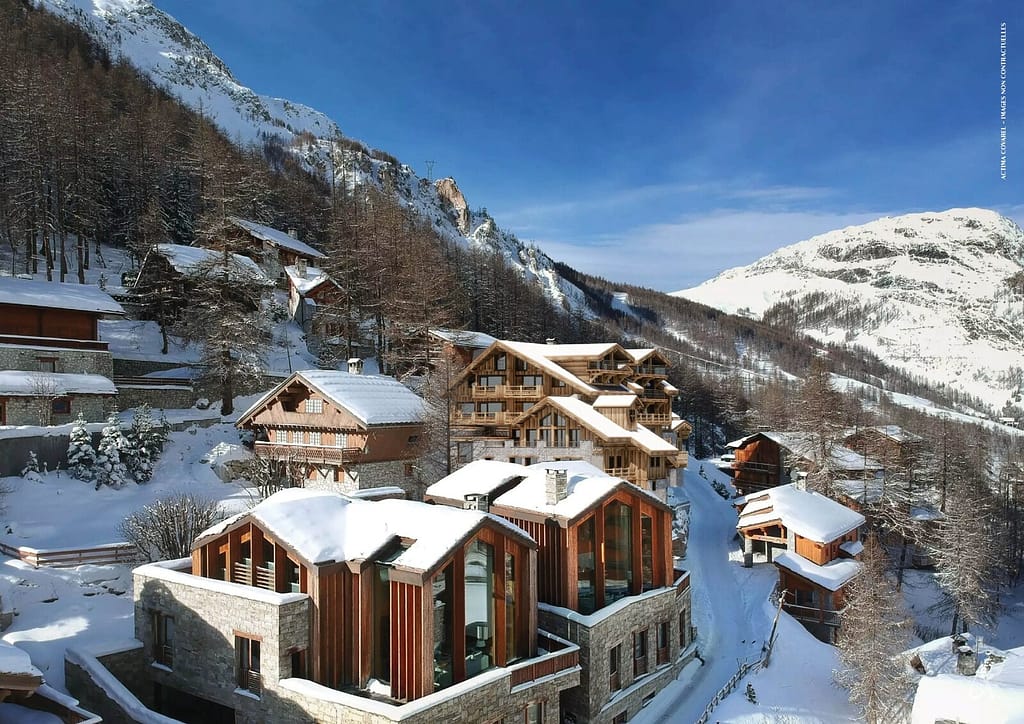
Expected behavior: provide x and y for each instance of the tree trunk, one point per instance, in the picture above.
(227, 385)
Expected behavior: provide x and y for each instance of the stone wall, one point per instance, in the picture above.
(206, 624)
(127, 665)
(166, 397)
(594, 701)
(141, 367)
(74, 361)
(382, 474)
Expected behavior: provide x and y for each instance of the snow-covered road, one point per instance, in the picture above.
(728, 607)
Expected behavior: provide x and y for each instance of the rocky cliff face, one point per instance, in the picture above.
(937, 294)
(181, 63)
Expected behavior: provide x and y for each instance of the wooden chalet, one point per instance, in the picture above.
(416, 596)
(274, 249)
(515, 398)
(601, 538)
(821, 542)
(53, 315)
(769, 459)
(336, 425)
(465, 344)
(310, 288)
(891, 445)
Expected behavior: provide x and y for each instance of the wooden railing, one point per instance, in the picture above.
(813, 615)
(682, 583)
(253, 683)
(70, 557)
(654, 394)
(560, 656)
(54, 342)
(125, 381)
(265, 578)
(524, 392)
(654, 418)
(754, 466)
(483, 418)
(307, 453)
(487, 392)
(242, 573)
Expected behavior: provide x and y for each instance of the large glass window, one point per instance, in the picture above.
(511, 640)
(443, 628)
(618, 551)
(647, 551)
(586, 571)
(480, 609)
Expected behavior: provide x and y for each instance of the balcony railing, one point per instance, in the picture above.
(561, 656)
(487, 392)
(813, 615)
(307, 453)
(754, 466)
(265, 578)
(654, 394)
(524, 392)
(654, 418)
(682, 582)
(631, 473)
(242, 573)
(483, 418)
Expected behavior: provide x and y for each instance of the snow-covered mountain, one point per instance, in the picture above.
(930, 293)
(184, 66)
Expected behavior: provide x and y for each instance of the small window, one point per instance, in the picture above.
(614, 680)
(281, 437)
(501, 362)
(683, 629)
(315, 405)
(640, 653)
(663, 633)
(620, 718)
(61, 406)
(340, 439)
(163, 639)
(534, 713)
(47, 364)
(314, 438)
(408, 470)
(248, 652)
(299, 664)
(413, 439)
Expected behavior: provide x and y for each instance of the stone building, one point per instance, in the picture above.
(314, 606)
(606, 575)
(53, 364)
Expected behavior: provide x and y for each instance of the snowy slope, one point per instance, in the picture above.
(183, 65)
(927, 293)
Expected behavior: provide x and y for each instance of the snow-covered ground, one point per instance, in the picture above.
(732, 611)
(91, 605)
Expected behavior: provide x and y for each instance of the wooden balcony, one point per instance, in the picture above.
(54, 342)
(483, 418)
(524, 392)
(488, 392)
(654, 394)
(755, 467)
(241, 573)
(308, 453)
(813, 615)
(560, 656)
(654, 418)
(631, 474)
(682, 582)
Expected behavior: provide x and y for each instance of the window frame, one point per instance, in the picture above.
(615, 668)
(163, 645)
(244, 663)
(641, 646)
(662, 636)
(60, 405)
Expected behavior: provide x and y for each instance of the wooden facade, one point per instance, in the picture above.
(371, 619)
(301, 425)
(758, 466)
(29, 321)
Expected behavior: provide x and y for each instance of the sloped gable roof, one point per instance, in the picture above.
(808, 514)
(57, 295)
(277, 237)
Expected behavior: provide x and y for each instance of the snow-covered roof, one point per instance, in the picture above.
(590, 417)
(305, 283)
(17, 383)
(15, 662)
(565, 351)
(922, 514)
(615, 401)
(324, 526)
(480, 477)
(893, 432)
(187, 259)
(652, 443)
(863, 491)
(639, 355)
(374, 399)
(810, 515)
(669, 388)
(465, 338)
(833, 575)
(852, 547)
(535, 354)
(805, 445)
(55, 295)
(278, 238)
(994, 694)
(586, 485)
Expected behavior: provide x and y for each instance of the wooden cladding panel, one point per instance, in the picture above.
(45, 322)
(330, 637)
(410, 676)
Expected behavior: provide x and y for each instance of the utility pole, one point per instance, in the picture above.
(771, 636)
(430, 170)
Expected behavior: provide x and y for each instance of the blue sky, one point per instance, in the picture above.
(656, 143)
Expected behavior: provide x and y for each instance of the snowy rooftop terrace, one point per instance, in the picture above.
(55, 295)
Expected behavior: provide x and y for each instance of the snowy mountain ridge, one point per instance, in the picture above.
(179, 62)
(938, 294)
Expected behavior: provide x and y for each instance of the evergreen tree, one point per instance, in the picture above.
(110, 465)
(144, 445)
(81, 454)
(31, 469)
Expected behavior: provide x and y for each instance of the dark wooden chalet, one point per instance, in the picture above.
(413, 595)
(601, 538)
(50, 314)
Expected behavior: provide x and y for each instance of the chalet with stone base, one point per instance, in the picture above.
(342, 430)
(272, 248)
(610, 406)
(314, 606)
(606, 578)
(53, 364)
(815, 543)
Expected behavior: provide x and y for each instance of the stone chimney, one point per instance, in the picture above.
(966, 661)
(551, 340)
(293, 233)
(300, 267)
(959, 640)
(476, 501)
(355, 366)
(800, 481)
(556, 486)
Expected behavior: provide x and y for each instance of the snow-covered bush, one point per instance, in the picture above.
(31, 469)
(165, 529)
(145, 443)
(110, 468)
(81, 454)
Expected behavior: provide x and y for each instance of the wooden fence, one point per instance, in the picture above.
(724, 692)
(70, 557)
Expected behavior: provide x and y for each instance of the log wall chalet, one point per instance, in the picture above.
(16, 319)
(822, 553)
(757, 466)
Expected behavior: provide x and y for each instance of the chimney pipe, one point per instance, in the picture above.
(551, 340)
(355, 366)
(293, 233)
(556, 486)
(476, 501)
(966, 661)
